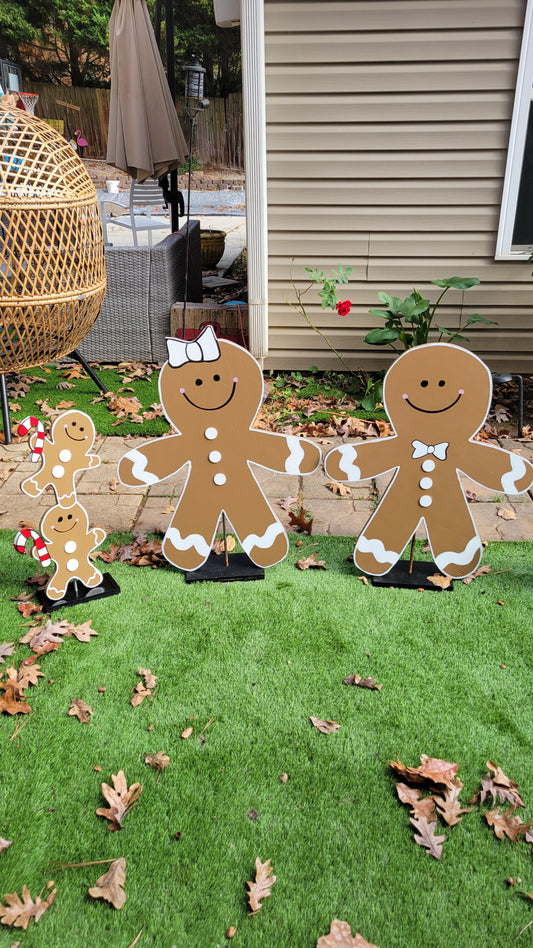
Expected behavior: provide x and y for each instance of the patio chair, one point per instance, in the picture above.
(144, 198)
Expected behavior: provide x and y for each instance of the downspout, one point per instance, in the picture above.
(254, 111)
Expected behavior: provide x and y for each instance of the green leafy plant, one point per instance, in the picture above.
(329, 300)
(409, 322)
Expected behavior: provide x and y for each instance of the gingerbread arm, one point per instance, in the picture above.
(153, 462)
(357, 462)
(285, 453)
(495, 468)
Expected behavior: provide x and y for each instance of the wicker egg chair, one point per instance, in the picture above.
(52, 266)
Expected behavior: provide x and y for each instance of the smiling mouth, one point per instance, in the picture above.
(65, 531)
(72, 438)
(433, 411)
(216, 407)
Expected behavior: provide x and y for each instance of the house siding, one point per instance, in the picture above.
(387, 131)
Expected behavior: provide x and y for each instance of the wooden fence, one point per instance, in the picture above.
(218, 136)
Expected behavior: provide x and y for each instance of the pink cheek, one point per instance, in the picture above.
(405, 396)
(235, 380)
(182, 391)
(461, 391)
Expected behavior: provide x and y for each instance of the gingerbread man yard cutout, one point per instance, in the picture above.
(437, 397)
(211, 391)
(62, 455)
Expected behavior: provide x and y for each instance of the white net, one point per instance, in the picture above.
(29, 101)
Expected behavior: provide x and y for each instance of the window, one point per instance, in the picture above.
(515, 234)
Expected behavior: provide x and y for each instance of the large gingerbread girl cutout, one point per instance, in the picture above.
(211, 390)
(437, 397)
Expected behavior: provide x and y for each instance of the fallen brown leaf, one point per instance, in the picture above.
(425, 836)
(260, 888)
(6, 649)
(18, 913)
(362, 682)
(481, 571)
(444, 582)
(121, 799)
(157, 761)
(287, 502)
(219, 547)
(500, 787)
(506, 513)
(186, 733)
(13, 700)
(432, 769)
(340, 936)
(341, 489)
(28, 608)
(506, 824)
(420, 806)
(449, 805)
(4, 843)
(325, 727)
(300, 521)
(110, 885)
(308, 562)
(80, 709)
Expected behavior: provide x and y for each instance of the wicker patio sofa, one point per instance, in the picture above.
(142, 285)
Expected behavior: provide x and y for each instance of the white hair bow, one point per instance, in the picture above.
(438, 450)
(204, 348)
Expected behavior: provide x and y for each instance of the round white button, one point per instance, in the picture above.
(70, 546)
(65, 455)
(210, 433)
(425, 483)
(425, 500)
(428, 465)
(58, 471)
(72, 565)
(215, 457)
(219, 479)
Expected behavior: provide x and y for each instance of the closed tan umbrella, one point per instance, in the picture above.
(145, 137)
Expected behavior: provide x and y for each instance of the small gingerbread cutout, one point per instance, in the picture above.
(63, 454)
(69, 542)
(437, 397)
(211, 390)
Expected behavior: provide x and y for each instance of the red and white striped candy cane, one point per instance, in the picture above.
(25, 426)
(20, 544)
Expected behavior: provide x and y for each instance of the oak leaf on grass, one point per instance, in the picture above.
(420, 806)
(6, 648)
(18, 913)
(260, 888)
(80, 709)
(500, 787)
(157, 761)
(425, 836)
(340, 936)
(307, 562)
(220, 548)
(325, 727)
(362, 682)
(449, 805)
(12, 701)
(120, 797)
(4, 843)
(432, 770)
(443, 582)
(110, 885)
(29, 673)
(506, 824)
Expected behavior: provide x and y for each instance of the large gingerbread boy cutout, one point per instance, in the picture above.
(437, 397)
(211, 390)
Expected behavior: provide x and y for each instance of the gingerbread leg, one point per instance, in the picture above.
(455, 545)
(262, 536)
(188, 539)
(57, 585)
(384, 537)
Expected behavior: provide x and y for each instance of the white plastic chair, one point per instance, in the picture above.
(147, 196)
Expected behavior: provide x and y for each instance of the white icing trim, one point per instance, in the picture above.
(265, 541)
(460, 558)
(292, 464)
(139, 471)
(348, 455)
(185, 543)
(377, 549)
(518, 469)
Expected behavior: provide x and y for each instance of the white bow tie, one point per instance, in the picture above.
(438, 450)
(202, 349)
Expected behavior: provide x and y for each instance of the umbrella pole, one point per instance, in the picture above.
(192, 119)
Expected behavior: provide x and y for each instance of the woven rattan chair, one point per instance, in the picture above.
(52, 270)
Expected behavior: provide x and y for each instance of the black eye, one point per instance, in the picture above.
(83, 429)
(424, 383)
(216, 378)
(73, 424)
(198, 382)
(441, 383)
(69, 517)
(60, 519)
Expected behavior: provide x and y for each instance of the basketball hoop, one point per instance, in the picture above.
(29, 101)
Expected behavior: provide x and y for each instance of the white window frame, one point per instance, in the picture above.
(515, 153)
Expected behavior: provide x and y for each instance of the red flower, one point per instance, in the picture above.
(343, 308)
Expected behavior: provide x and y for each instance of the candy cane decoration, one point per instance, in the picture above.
(23, 429)
(20, 544)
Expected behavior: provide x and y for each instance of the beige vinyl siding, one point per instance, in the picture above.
(387, 131)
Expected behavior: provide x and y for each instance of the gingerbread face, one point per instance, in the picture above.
(210, 391)
(437, 387)
(69, 541)
(228, 389)
(437, 397)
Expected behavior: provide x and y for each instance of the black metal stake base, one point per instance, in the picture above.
(399, 576)
(239, 569)
(77, 593)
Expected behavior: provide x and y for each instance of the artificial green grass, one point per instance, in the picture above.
(87, 397)
(260, 658)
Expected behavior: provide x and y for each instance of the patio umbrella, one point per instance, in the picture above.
(145, 137)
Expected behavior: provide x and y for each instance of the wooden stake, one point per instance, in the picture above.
(411, 558)
(225, 538)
